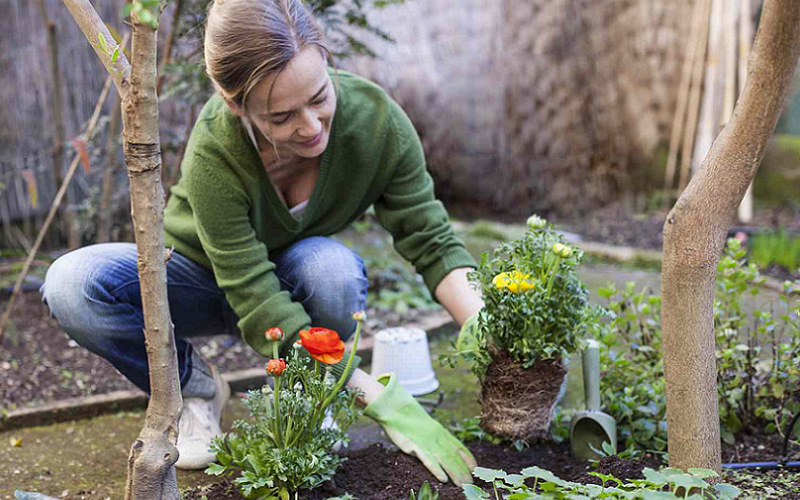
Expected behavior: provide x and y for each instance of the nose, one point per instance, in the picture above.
(310, 124)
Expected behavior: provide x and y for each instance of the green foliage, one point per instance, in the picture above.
(608, 450)
(779, 248)
(301, 455)
(535, 305)
(756, 357)
(146, 10)
(534, 482)
(631, 364)
(469, 429)
(425, 493)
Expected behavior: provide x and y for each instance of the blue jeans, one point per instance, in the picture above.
(94, 294)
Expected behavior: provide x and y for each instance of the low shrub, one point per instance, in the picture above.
(756, 356)
(534, 482)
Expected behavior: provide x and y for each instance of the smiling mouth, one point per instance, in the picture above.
(313, 141)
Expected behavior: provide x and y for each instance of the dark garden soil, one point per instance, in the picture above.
(40, 364)
(377, 473)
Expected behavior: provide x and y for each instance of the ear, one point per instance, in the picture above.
(235, 108)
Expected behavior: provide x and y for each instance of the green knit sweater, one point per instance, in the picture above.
(226, 215)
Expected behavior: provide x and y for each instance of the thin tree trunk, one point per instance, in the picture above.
(151, 471)
(695, 233)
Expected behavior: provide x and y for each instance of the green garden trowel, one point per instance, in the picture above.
(591, 428)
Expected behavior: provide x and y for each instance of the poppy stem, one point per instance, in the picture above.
(276, 399)
(349, 364)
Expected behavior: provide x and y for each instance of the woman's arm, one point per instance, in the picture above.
(457, 296)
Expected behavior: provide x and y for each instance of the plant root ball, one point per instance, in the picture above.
(518, 403)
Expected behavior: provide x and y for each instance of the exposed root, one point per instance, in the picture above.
(518, 403)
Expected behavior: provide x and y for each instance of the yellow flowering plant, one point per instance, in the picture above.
(535, 305)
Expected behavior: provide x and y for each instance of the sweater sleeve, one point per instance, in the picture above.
(408, 209)
(240, 262)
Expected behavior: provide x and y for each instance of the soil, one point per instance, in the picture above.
(377, 473)
(40, 364)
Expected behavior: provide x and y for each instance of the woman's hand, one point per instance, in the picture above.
(415, 432)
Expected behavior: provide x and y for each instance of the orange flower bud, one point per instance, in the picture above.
(274, 333)
(275, 367)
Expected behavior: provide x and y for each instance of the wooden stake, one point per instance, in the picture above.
(694, 98)
(679, 119)
(745, 211)
(731, 43)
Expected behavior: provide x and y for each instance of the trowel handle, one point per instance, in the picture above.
(591, 375)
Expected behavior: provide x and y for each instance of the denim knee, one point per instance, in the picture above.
(73, 288)
(329, 279)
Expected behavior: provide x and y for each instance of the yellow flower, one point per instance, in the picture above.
(514, 281)
(558, 248)
(566, 251)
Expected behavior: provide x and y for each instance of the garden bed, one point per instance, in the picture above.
(378, 473)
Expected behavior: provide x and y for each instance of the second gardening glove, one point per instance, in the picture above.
(410, 427)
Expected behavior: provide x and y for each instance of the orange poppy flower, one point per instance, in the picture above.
(323, 344)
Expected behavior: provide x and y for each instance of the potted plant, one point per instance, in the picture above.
(286, 447)
(535, 312)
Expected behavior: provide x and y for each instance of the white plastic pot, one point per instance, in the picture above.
(404, 351)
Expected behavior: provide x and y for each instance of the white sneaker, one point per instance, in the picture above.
(328, 423)
(199, 422)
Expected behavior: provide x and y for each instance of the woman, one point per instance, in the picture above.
(286, 154)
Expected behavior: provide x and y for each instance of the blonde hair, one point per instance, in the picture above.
(246, 40)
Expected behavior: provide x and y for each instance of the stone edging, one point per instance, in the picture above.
(90, 406)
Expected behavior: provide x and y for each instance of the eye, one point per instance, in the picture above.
(280, 121)
(320, 100)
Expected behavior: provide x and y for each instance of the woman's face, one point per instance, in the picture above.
(294, 109)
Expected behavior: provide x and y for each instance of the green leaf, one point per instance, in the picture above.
(101, 40)
(215, 469)
(472, 492)
(127, 10)
(489, 475)
(544, 475)
(654, 477)
(727, 491)
(115, 55)
(702, 473)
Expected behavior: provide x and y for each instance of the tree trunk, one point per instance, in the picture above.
(151, 471)
(695, 232)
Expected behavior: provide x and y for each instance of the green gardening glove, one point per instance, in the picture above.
(468, 336)
(410, 427)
